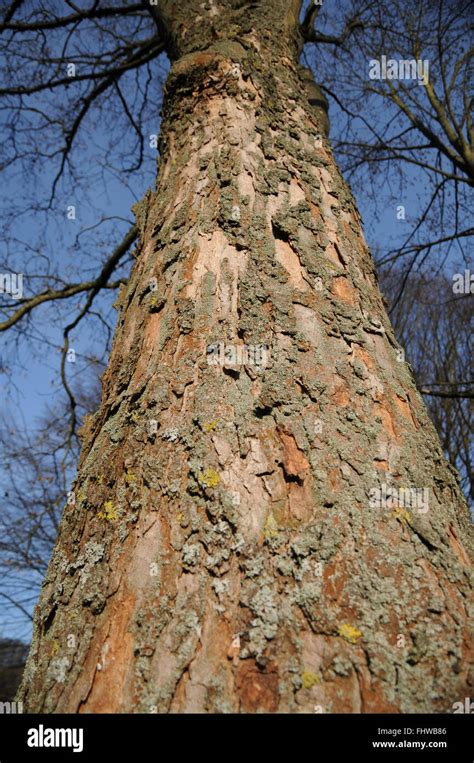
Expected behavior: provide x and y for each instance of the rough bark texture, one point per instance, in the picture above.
(231, 560)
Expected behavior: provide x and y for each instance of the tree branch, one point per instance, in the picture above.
(93, 13)
(69, 291)
(311, 35)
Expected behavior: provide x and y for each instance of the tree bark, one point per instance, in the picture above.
(224, 551)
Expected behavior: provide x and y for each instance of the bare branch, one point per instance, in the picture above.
(93, 286)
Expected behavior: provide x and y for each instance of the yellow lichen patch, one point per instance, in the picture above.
(208, 478)
(403, 515)
(134, 415)
(54, 647)
(108, 511)
(350, 633)
(100, 479)
(80, 496)
(130, 478)
(271, 528)
(310, 679)
(180, 516)
(210, 426)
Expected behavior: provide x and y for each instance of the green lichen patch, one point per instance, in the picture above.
(350, 633)
(208, 478)
(108, 512)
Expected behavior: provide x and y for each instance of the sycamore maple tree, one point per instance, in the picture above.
(263, 519)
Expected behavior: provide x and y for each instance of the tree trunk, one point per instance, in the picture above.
(226, 549)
